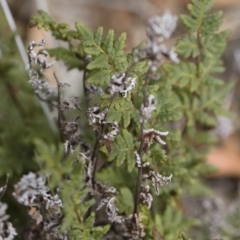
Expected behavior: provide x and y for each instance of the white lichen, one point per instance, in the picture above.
(120, 84)
(7, 231)
(96, 115)
(161, 27)
(147, 108)
(157, 180)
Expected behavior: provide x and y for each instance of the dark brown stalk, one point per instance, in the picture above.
(95, 154)
(139, 177)
(140, 152)
(86, 93)
(60, 113)
(198, 59)
(94, 158)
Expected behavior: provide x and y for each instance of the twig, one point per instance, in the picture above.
(140, 152)
(139, 176)
(94, 158)
(95, 154)
(60, 113)
(85, 85)
(198, 59)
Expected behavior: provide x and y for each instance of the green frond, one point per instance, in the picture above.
(99, 62)
(60, 31)
(125, 200)
(211, 23)
(119, 45)
(187, 47)
(183, 75)
(107, 44)
(93, 51)
(189, 97)
(99, 78)
(119, 57)
(70, 58)
(198, 10)
(121, 109)
(98, 36)
(123, 150)
(86, 34)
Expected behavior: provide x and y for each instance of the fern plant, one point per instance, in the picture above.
(141, 135)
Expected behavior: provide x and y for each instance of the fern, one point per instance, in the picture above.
(198, 91)
(150, 127)
(183, 91)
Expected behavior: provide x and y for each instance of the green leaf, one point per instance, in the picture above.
(153, 88)
(114, 152)
(98, 36)
(187, 47)
(99, 78)
(190, 23)
(126, 118)
(128, 138)
(99, 62)
(120, 158)
(119, 44)
(86, 34)
(183, 74)
(107, 44)
(158, 155)
(206, 119)
(94, 51)
(123, 150)
(125, 200)
(211, 23)
(67, 56)
(138, 67)
(114, 115)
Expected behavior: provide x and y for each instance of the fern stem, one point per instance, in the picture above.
(94, 157)
(139, 178)
(95, 154)
(198, 59)
(140, 151)
(60, 113)
(86, 93)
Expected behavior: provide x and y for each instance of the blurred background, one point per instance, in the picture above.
(131, 16)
